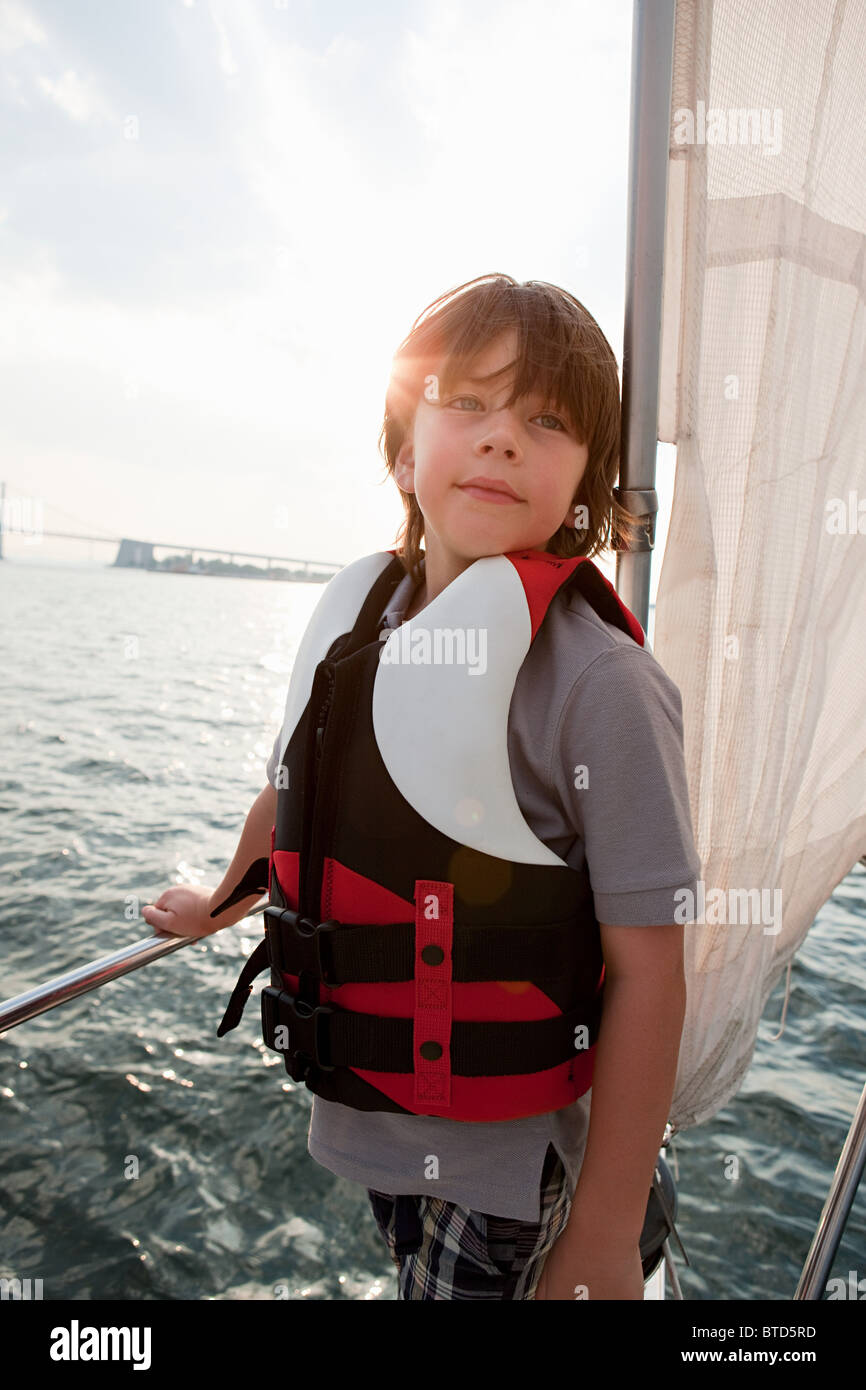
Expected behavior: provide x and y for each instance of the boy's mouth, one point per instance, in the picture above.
(489, 490)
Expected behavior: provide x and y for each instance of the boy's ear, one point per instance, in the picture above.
(404, 467)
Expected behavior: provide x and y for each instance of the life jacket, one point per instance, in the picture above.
(429, 954)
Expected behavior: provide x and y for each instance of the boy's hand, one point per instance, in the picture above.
(182, 911)
(614, 1271)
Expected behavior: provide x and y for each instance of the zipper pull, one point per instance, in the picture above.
(323, 715)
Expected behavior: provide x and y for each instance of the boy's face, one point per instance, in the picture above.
(468, 433)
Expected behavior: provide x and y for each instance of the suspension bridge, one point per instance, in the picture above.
(23, 515)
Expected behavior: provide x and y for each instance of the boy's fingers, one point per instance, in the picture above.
(157, 916)
(163, 924)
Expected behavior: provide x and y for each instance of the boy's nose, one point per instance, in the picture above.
(491, 443)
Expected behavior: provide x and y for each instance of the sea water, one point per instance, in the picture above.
(141, 1157)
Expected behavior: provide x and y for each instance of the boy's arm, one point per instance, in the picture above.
(633, 1082)
(254, 845)
(185, 909)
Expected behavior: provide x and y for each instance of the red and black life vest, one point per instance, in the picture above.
(429, 954)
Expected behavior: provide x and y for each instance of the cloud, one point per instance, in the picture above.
(221, 297)
(226, 57)
(18, 27)
(75, 97)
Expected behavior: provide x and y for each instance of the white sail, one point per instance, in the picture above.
(761, 606)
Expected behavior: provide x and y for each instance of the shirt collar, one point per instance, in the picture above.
(400, 600)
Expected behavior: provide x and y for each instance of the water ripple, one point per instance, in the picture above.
(143, 1158)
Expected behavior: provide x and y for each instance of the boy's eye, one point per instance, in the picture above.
(545, 415)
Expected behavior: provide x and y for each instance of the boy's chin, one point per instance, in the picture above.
(478, 547)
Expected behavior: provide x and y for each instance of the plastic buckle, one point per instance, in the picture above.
(295, 944)
(306, 1027)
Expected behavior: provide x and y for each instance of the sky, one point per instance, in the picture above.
(219, 218)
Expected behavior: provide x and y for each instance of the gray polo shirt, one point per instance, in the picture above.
(586, 697)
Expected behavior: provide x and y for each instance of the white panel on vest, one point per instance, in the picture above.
(334, 614)
(442, 728)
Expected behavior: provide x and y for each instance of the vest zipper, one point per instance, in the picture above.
(320, 733)
(320, 727)
(312, 894)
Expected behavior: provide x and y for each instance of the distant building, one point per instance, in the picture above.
(135, 555)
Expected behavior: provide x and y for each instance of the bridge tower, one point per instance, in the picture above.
(135, 555)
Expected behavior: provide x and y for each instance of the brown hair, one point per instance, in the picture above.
(561, 352)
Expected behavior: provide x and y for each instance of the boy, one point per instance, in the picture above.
(502, 433)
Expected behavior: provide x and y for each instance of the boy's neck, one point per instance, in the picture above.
(438, 573)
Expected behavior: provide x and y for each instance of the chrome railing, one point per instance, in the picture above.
(831, 1222)
(44, 997)
(99, 972)
(86, 977)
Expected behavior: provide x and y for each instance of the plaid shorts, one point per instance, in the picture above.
(445, 1251)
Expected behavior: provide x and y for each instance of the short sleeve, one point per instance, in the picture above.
(274, 759)
(618, 769)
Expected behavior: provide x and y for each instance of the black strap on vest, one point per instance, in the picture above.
(330, 1038)
(255, 880)
(254, 966)
(340, 954)
(369, 620)
(356, 954)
